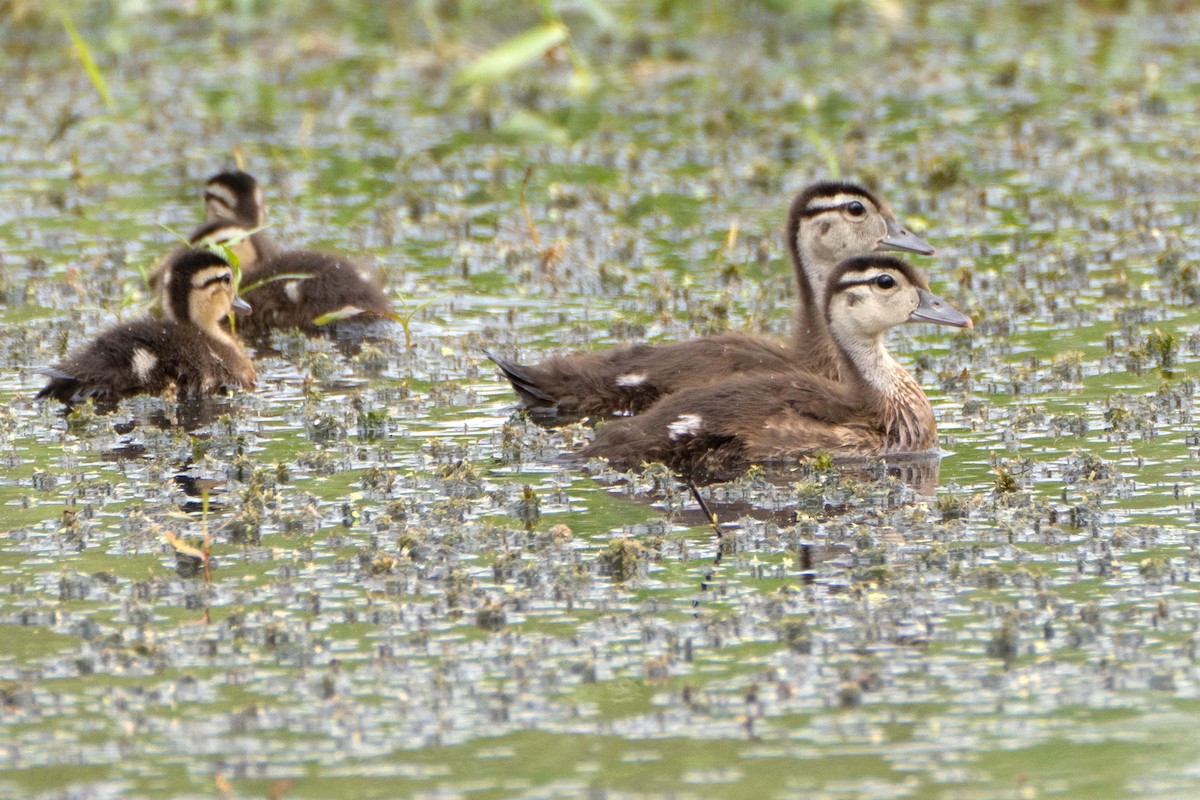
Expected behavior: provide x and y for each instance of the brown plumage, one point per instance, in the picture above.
(827, 223)
(189, 350)
(333, 285)
(874, 408)
(234, 196)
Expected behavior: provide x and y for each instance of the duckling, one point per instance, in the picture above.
(189, 349)
(233, 207)
(827, 222)
(874, 408)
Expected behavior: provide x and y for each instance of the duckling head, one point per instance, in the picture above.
(830, 222)
(230, 235)
(234, 196)
(200, 290)
(867, 295)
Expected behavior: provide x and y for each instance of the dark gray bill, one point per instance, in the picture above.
(241, 306)
(936, 310)
(903, 240)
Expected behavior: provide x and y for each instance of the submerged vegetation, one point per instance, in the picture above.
(370, 578)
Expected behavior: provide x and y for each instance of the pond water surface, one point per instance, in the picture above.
(413, 593)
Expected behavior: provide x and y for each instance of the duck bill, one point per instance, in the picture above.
(903, 240)
(936, 310)
(241, 307)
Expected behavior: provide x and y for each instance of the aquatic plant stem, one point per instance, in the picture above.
(207, 553)
(706, 581)
(533, 231)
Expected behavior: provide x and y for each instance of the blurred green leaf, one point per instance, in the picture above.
(345, 312)
(525, 126)
(599, 12)
(85, 56)
(500, 62)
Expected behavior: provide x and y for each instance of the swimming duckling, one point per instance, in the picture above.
(875, 408)
(827, 223)
(189, 349)
(232, 199)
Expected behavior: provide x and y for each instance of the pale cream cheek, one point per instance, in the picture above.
(207, 308)
(195, 307)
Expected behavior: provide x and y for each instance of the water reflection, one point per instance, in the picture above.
(780, 492)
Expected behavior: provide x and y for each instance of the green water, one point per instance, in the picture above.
(386, 618)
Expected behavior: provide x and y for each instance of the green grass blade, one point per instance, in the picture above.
(85, 56)
(500, 62)
(345, 312)
(827, 152)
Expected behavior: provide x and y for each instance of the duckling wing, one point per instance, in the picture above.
(632, 378)
(743, 419)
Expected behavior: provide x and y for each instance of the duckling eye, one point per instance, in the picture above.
(856, 209)
(885, 282)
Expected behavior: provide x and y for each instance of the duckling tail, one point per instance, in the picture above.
(61, 386)
(525, 385)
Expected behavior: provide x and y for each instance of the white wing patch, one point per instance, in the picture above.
(631, 380)
(686, 425)
(292, 290)
(143, 363)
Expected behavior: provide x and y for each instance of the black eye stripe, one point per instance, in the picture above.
(226, 278)
(869, 282)
(813, 211)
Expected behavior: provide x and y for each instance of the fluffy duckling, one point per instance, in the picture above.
(189, 350)
(827, 223)
(233, 206)
(874, 408)
(284, 298)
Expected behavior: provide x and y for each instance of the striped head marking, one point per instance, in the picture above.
(830, 222)
(234, 196)
(869, 294)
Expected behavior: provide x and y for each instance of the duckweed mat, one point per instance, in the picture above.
(412, 591)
